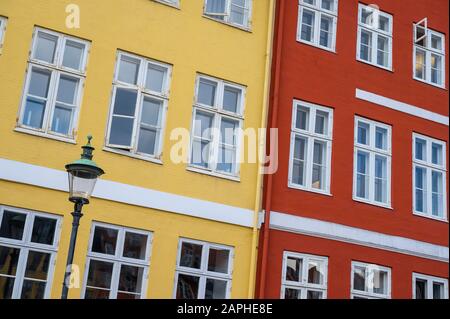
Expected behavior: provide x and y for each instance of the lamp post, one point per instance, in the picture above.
(83, 174)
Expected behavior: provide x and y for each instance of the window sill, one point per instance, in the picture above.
(316, 46)
(136, 156)
(361, 200)
(214, 174)
(375, 65)
(442, 87)
(430, 217)
(175, 6)
(312, 190)
(237, 26)
(45, 135)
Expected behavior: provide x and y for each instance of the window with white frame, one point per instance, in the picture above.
(28, 246)
(372, 162)
(429, 287)
(217, 120)
(236, 12)
(429, 177)
(304, 276)
(138, 107)
(2, 31)
(429, 55)
(204, 270)
(374, 36)
(311, 138)
(117, 263)
(317, 23)
(54, 81)
(370, 281)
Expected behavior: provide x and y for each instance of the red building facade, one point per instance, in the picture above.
(358, 206)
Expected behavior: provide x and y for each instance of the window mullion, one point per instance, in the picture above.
(137, 113)
(309, 161)
(20, 273)
(114, 284)
(429, 190)
(317, 19)
(51, 100)
(374, 47)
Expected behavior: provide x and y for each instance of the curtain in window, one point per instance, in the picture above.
(215, 6)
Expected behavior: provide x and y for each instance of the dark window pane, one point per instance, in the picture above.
(122, 295)
(33, 114)
(8, 260)
(121, 131)
(125, 103)
(218, 260)
(12, 225)
(438, 290)
(33, 289)
(135, 245)
(421, 289)
(206, 92)
(293, 269)
(215, 289)
(191, 255)
(359, 281)
(314, 294)
(131, 278)
(92, 293)
(43, 230)
(6, 287)
(100, 274)
(37, 265)
(187, 287)
(292, 293)
(105, 240)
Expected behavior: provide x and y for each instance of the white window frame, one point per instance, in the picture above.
(57, 70)
(171, 3)
(318, 12)
(3, 23)
(203, 272)
(311, 136)
(429, 167)
(429, 280)
(141, 92)
(374, 34)
(117, 259)
(25, 245)
(429, 51)
(373, 151)
(226, 16)
(218, 113)
(368, 269)
(304, 285)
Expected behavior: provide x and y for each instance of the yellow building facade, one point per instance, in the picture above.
(131, 73)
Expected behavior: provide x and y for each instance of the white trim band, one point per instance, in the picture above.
(402, 107)
(358, 236)
(45, 177)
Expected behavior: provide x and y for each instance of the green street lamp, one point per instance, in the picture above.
(83, 174)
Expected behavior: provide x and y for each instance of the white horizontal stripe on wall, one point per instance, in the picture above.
(327, 230)
(56, 179)
(402, 107)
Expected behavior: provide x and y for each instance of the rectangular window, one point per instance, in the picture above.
(317, 22)
(429, 55)
(217, 120)
(236, 12)
(204, 270)
(370, 281)
(3, 21)
(311, 138)
(138, 107)
(372, 162)
(28, 246)
(374, 45)
(304, 276)
(53, 84)
(429, 287)
(117, 263)
(429, 177)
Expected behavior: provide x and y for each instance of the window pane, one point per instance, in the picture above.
(315, 272)
(420, 64)
(294, 269)
(203, 125)
(9, 258)
(421, 289)
(298, 171)
(37, 265)
(436, 197)
(215, 289)
(187, 287)
(206, 92)
(383, 23)
(321, 126)
(307, 27)
(238, 12)
(363, 133)
(436, 42)
(438, 290)
(73, 55)
(151, 111)
(125, 102)
(200, 153)
(33, 114)
(67, 89)
(100, 274)
(231, 99)
(228, 131)
(226, 159)
(380, 282)
(92, 293)
(130, 279)
(43, 230)
(366, 16)
(381, 138)
(121, 131)
(362, 177)
(155, 78)
(128, 70)
(39, 82)
(191, 255)
(436, 69)
(380, 179)
(215, 6)
(13, 225)
(62, 118)
(421, 149)
(366, 46)
(420, 189)
(302, 121)
(33, 289)
(436, 154)
(326, 30)
(314, 294)
(383, 51)
(292, 293)
(6, 287)
(319, 159)
(135, 245)
(218, 260)
(45, 47)
(359, 278)
(420, 34)
(105, 240)
(148, 140)
(328, 5)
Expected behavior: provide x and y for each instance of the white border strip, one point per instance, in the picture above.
(402, 107)
(318, 228)
(118, 192)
